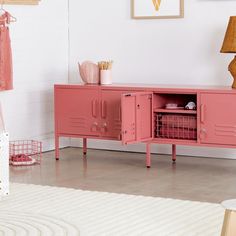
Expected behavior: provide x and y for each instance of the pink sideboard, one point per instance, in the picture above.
(136, 113)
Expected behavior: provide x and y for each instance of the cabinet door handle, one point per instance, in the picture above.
(94, 108)
(104, 109)
(202, 115)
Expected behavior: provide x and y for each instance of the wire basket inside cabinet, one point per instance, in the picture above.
(25, 152)
(176, 126)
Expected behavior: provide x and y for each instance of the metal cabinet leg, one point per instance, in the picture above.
(173, 153)
(57, 147)
(148, 155)
(84, 146)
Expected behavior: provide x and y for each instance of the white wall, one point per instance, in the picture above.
(179, 51)
(40, 58)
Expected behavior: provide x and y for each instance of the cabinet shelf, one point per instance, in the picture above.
(180, 111)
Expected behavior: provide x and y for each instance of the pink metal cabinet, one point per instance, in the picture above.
(218, 119)
(136, 117)
(120, 112)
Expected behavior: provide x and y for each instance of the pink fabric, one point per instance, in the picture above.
(181, 121)
(5, 54)
(178, 133)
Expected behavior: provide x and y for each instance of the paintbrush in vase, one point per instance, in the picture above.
(105, 65)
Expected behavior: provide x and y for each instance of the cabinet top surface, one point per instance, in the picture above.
(148, 86)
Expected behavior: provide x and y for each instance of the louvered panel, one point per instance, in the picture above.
(225, 130)
(78, 122)
(117, 125)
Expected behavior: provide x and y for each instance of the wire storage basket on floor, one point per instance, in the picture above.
(25, 152)
(177, 126)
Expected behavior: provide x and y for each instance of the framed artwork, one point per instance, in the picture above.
(20, 2)
(157, 9)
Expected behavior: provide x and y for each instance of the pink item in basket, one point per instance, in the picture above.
(89, 72)
(21, 160)
(189, 122)
(178, 133)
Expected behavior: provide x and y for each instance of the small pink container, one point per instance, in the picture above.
(105, 77)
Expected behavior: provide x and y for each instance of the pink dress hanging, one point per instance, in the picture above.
(6, 82)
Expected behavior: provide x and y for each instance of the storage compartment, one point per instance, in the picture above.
(176, 126)
(161, 100)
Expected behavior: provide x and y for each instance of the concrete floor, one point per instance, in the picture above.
(200, 179)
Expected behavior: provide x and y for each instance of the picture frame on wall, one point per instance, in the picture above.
(20, 2)
(157, 9)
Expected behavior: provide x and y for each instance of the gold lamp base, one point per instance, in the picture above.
(232, 70)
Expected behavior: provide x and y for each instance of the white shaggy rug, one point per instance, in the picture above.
(41, 210)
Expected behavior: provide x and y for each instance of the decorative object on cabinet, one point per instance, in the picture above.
(105, 72)
(89, 72)
(6, 75)
(25, 152)
(135, 114)
(229, 46)
(157, 9)
(229, 224)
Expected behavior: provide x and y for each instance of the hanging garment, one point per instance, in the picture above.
(6, 82)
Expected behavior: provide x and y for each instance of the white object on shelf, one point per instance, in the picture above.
(171, 106)
(191, 106)
(105, 77)
(4, 164)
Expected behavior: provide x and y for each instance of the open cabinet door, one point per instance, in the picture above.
(137, 117)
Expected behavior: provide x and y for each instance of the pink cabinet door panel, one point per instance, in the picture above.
(136, 117)
(111, 114)
(77, 111)
(218, 119)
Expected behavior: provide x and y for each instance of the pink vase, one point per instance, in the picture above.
(89, 72)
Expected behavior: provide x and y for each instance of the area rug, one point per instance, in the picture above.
(43, 210)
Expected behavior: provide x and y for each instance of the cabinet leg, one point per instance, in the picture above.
(84, 146)
(148, 155)
(57, 147)
(173, 153)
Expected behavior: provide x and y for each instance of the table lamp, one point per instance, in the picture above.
(229, 46)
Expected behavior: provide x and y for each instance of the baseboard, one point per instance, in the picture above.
(49, 143)
(158, 149)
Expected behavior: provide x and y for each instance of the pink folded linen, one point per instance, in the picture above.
(182, 121)
(177, 133)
